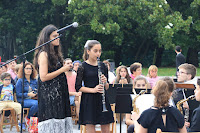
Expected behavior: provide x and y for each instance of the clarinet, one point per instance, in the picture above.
(100, 82)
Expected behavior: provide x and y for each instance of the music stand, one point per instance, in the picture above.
(183, 85)
(124, 100)
(112, 91)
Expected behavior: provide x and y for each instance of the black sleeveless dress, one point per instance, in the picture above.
(91, 103)
(54, 108)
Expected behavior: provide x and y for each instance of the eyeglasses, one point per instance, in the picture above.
(180, 72)
(7, 79)
(29, 68)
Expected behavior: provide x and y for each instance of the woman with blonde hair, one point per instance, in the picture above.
(152, 75)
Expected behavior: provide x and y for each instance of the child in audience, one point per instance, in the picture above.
(152, 76)
(7, 99)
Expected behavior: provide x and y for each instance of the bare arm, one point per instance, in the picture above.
(43, 68)
(183, 130)
(72, 93)
(139, 128)
(128, 120)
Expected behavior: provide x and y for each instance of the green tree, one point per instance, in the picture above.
(129, 30)
(129, 27)
(21, 22)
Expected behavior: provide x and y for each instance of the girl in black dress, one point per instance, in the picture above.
(91, 99)
(53, 98)
(161, 115)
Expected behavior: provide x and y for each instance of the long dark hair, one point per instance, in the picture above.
(53, 52)
(118, 77)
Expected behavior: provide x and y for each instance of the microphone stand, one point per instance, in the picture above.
(23, 56)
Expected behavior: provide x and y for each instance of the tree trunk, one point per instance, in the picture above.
(118, 56)
(139, 50)
(159, 52)
(192, 57)
(145, 51)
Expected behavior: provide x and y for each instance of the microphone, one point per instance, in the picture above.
(75, 24)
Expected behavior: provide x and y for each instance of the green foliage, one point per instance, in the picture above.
(129, 30)
(55, 2)
(136, 20)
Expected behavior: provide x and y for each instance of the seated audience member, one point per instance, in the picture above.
(16, 71)
(2, 70)
(195, 121)
(76, 64)
(111, 75)
(122, 76)
(152, 76)
(7, 96)
(161, 115)
(11, 69)
(30, 89)
(141, 83)
(136, 70)
(71, 80)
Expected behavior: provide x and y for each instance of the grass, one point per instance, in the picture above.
(166, 71)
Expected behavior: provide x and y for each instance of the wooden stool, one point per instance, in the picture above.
(13, 119)
(1, 129)
(73, 114)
